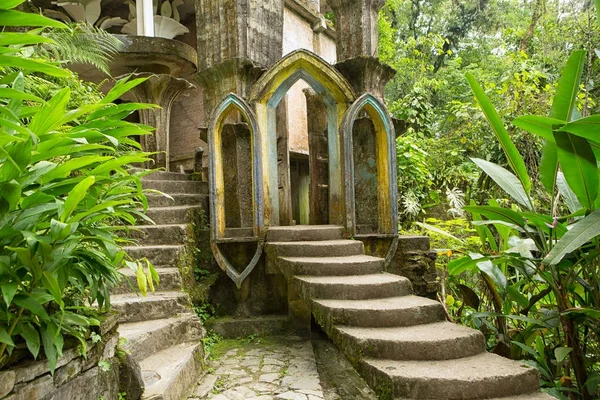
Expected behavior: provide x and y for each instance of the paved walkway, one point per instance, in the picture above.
(262, 369)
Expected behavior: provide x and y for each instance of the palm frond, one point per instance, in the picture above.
(85, 44)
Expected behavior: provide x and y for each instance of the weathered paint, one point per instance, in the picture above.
(336, 94)
(216, 184)
(386, 163)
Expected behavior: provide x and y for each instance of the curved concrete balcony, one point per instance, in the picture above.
(152, 55)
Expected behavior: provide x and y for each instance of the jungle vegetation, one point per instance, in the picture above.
(499, 166)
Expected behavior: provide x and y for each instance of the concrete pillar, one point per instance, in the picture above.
(163, 90)
(356, 23)
(145, 17)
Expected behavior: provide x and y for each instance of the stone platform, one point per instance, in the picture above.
(275, 368)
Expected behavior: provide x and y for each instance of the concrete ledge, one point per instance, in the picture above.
(233, 328)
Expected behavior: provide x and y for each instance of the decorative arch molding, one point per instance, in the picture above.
(387, 192)
(337, 95)
(231, 103)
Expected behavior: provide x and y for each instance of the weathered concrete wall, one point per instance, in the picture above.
(229, 29)
(75, 378)
(187, 115)
(415, 260)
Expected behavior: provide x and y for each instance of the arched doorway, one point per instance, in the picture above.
(336, 95)
(235, 183)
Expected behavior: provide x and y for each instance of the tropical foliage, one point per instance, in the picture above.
(65, 192)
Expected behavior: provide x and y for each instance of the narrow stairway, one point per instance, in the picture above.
(163, 333)
(400, 343)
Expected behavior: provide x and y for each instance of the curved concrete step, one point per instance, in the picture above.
(331, 266)
(479, 377)
(352, 287)
(156, 305)
(171, 215)
(145, 338)
(437, 341)
(176, 186)
(170, 279)
(300, 233)
(173, 234)
(528, 396)
(177, 199)
(157, 254)
(169, 374)
(326, 248)
(386, 312)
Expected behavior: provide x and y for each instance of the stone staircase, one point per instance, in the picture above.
(163, 333)
(400, 343)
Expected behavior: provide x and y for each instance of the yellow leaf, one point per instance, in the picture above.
(449, 300)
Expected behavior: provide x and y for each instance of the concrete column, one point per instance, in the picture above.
(163, 90)
(356, 23)
(145, 17)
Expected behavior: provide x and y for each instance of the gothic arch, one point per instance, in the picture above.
(336, 94)
(385, 140)
(229, 104)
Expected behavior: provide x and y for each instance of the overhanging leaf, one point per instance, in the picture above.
(510, 150)
(538, 125)
(75, 197)
(506, 180)
(583, 231)
(578, 163)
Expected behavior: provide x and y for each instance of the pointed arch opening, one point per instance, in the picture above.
(235, 184)
(370, 158)
(268, 95)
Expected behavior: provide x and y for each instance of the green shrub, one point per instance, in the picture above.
(65, 191)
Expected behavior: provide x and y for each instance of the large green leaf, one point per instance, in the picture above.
(8, 4)
(565, 191)
(499, 213)
(75, 197)
(14, 38)
(549, 166)
(510, 150)
(506, 180)
(583, 231)
(565, 99)
(538, 125)
(563, 104)
(579, 165)
(32, 338)
(121, 87)
(35, 66)
(52, 112)
(588, 128)
(17, 18)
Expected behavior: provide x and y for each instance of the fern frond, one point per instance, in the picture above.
(85, 44)
(456, 199)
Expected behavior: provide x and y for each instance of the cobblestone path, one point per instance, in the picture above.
(267, 369)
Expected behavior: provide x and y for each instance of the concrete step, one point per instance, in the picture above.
(171, 215)
(331, 266)
(167, 176)
(145, 338)
(304, 233)
(377, 313)
(157, 255)
(170, 279)
(178, 199)
(169, 374)
(173, 234)
(352, 287)
(478, 377)
(156, 305)
(326, 248)
(437, 341)
(528, 396)
(170, 187)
